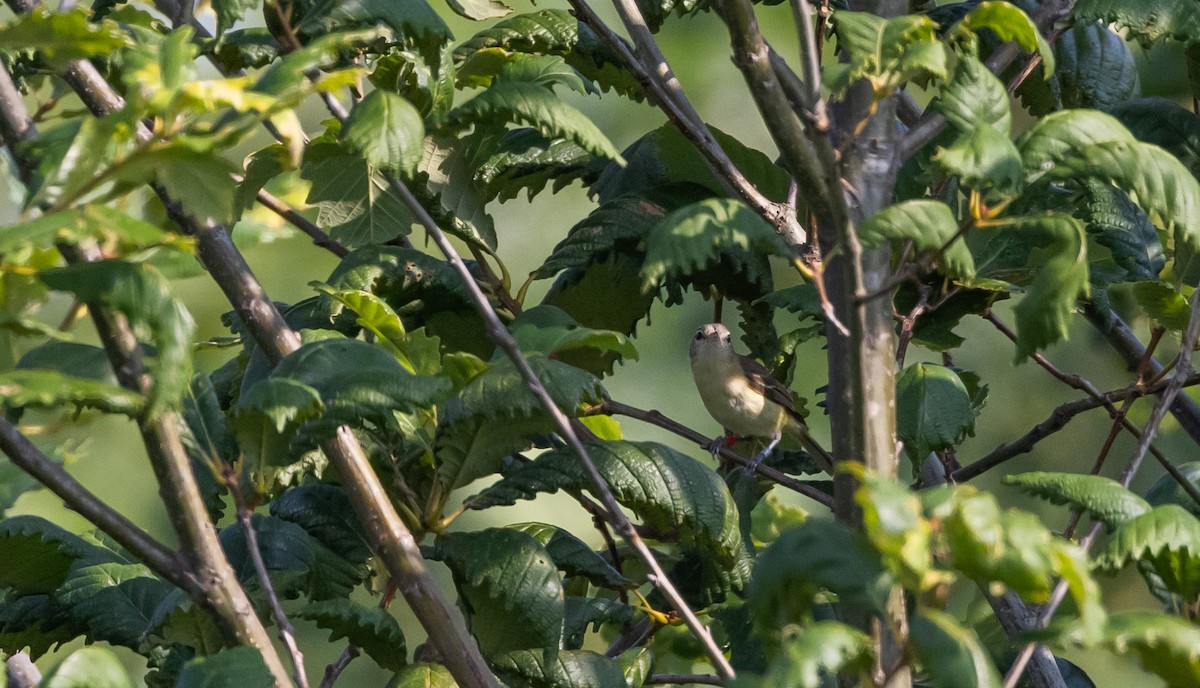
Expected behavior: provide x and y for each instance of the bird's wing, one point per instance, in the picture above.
(764, 383)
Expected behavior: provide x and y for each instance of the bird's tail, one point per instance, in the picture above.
(818, 453)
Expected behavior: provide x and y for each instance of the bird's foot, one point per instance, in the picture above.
(758, 458)
(714, 447)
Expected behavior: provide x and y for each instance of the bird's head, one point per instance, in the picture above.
(710, 339)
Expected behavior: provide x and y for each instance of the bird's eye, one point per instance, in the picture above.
(699, 336)
(728, 339)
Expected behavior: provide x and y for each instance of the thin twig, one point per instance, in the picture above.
(610, 407)
(682, 680)
(287, 633)
(334, 670)
(319, 237)
(1179, 379)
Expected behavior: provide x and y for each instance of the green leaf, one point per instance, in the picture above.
(952, 655)
(573, 557)
(1104, 499)
(230, 12)
(893, 522)
(606, 294)
(570, 669)
(933, 410)
(472, 448)
(532, 105)
(974, 97)
(88, 667)
(479, 9)
(36, 555)
(72, 358)
(1166, 646)
(1145, 20)
(144, 297)
(237, 666)
(886, 52)
(1166, 124)
(208, 441)
(117, 602)
(556, 32)
(506, 580)
(550, 331)
(1009, 23)
(35, 622)
(447, 186)
(502, 392)
(523, 159)
(423, 676)
(489, 65)
(1168, 537)
(718, 231)
(69, 156)
(61, 36)
(1167, 491)
(387, 131)
(582, 612)
(930, 225)
(373, 630)
(1095, 68)
(198, 180)
(415, 23)
(286, 549)
(982, 158)
(808, 559)
(352, 205)
(50, 389)
(1117, 224)
(676, 497)
(325, 512)
(1044, 315)
(14, 483)
(1060, 135)
(826, 648)
(74, 225)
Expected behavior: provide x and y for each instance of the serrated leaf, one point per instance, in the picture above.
(556, 32)
(606, 294)
(826, 648)
(35, 622)
(1116, 223)
(698, 237)
(550, 331)
(532, 105)
(36, 555)
(484, 67)
(930, 225)
(423, 676)
(353, 206)
(415, 23)
(479, 9)
(982, 158)
(1145, 20)
(446, 184)
(893, 522)
(50, 389)
(974, 97)
(1060, 134)
(1163, 123)
(115, 601)
(951, 654)
(675, 496)
(1167, 491)
(506, 580)
(1103, 498)
(369, 628)
(1009, 23)
(933, 410)
(808, 559)
(570, 669)
(325, 512)
(74, 225)
(1095, 68)
(61, 36)
(240, 666)
(523, 159)
(472, 448)
(387, 131)
(886, 52)
(286, 549)
(1165, 645)
(88, 667)
(573, 557)
(584, 612)
(145, 298)
(198, 180)
(1043, 315)
(1168, 537)
(230, 12)
(501, 391)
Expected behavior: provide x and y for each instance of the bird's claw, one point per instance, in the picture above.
(714, 447)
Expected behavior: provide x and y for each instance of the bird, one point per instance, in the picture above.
(743, 396)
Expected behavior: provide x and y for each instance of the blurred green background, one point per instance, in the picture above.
(106, 456)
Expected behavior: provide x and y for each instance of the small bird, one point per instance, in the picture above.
(744, 397)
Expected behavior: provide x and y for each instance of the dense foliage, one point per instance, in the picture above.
(337, 448)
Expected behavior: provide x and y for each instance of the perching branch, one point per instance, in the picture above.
(616, 408)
